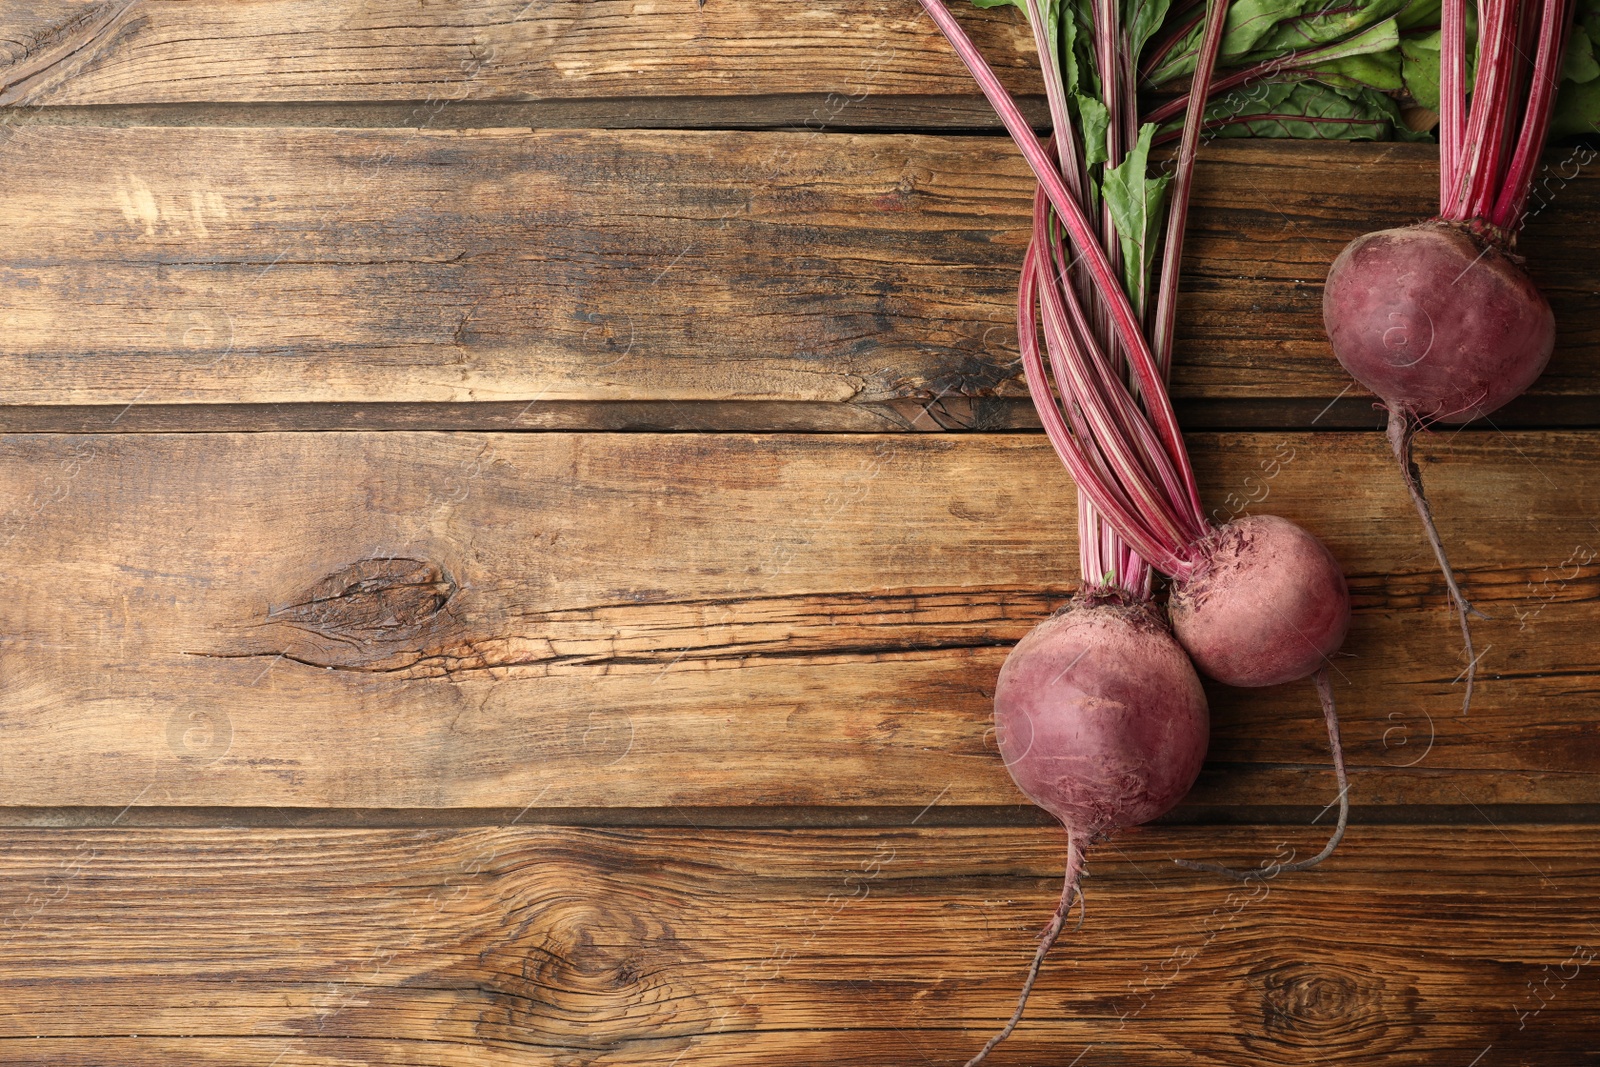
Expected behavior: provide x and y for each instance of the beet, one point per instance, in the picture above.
(1267, 604)
(1440, 321)
(1436, 320)
(1100, 717)
(1099, 713)
(1102, 722)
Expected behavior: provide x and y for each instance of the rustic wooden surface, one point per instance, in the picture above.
(214, 51)
(443, 620)
(871, 276)
(641, 946)
(347, 721)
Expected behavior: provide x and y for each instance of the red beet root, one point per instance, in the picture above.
(1099, 713)
(1100, 717)
(1267, 605)
(1436, 321)
(1101, 721)
(1443, 325)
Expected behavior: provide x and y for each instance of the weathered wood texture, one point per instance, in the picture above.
(443, 620)
(566, 946)
(158, 51)
(169, 266)
(660, 627)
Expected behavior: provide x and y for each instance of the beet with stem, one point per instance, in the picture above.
(1439, 319)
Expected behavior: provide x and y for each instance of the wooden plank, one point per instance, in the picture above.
(170, 267)
(320, 265)
(162, 51)
(418, 620)
(559, 946)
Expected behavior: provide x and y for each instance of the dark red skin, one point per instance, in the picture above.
(1100, 717)
(1436, 321)
(1267, 604)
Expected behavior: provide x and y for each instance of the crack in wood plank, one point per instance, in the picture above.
(52, 49)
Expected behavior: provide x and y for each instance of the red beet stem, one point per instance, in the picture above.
(1121, 443)
(1055, 94)
(1488, 152)
(1093, 478)
(1452, 98)
(1183, 177)
(1127, 327)
(1513, 199)
(1478, 149)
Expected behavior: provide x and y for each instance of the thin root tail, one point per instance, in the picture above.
(1069, 892)
(1331, 715)
(1402, 429)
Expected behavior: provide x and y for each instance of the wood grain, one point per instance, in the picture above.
(567, 946)
(168, 266)
(749, 628)
(465, 620)
(321, 265)
(159, 51)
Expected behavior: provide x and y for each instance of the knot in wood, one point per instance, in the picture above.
(372, 599)
(1319, 1004)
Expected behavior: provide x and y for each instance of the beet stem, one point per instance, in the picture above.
(1402, 429)
(1453, 101)
(1068, 891)
(1129, 328)
(1183, 176)
(1330, 714)
(1507, 213)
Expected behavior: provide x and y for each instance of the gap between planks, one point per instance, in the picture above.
(929, 816)
(953, 415)
(778, 111)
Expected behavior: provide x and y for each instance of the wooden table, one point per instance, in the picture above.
(513, 512)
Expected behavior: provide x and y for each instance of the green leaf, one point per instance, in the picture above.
(1381, 36)
(1419, 68)
(1252, 21)
(1077, 26)
(1579, 65)
(1066, 37)
(1248, 22)
(1577, 109)
(1144, 19)
(1419, 64)
(1135, 199)
(1420, 13)
(1380, 72)
(1328, 24)
(1369, 59)
(1309, 110)
(1095, 121)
